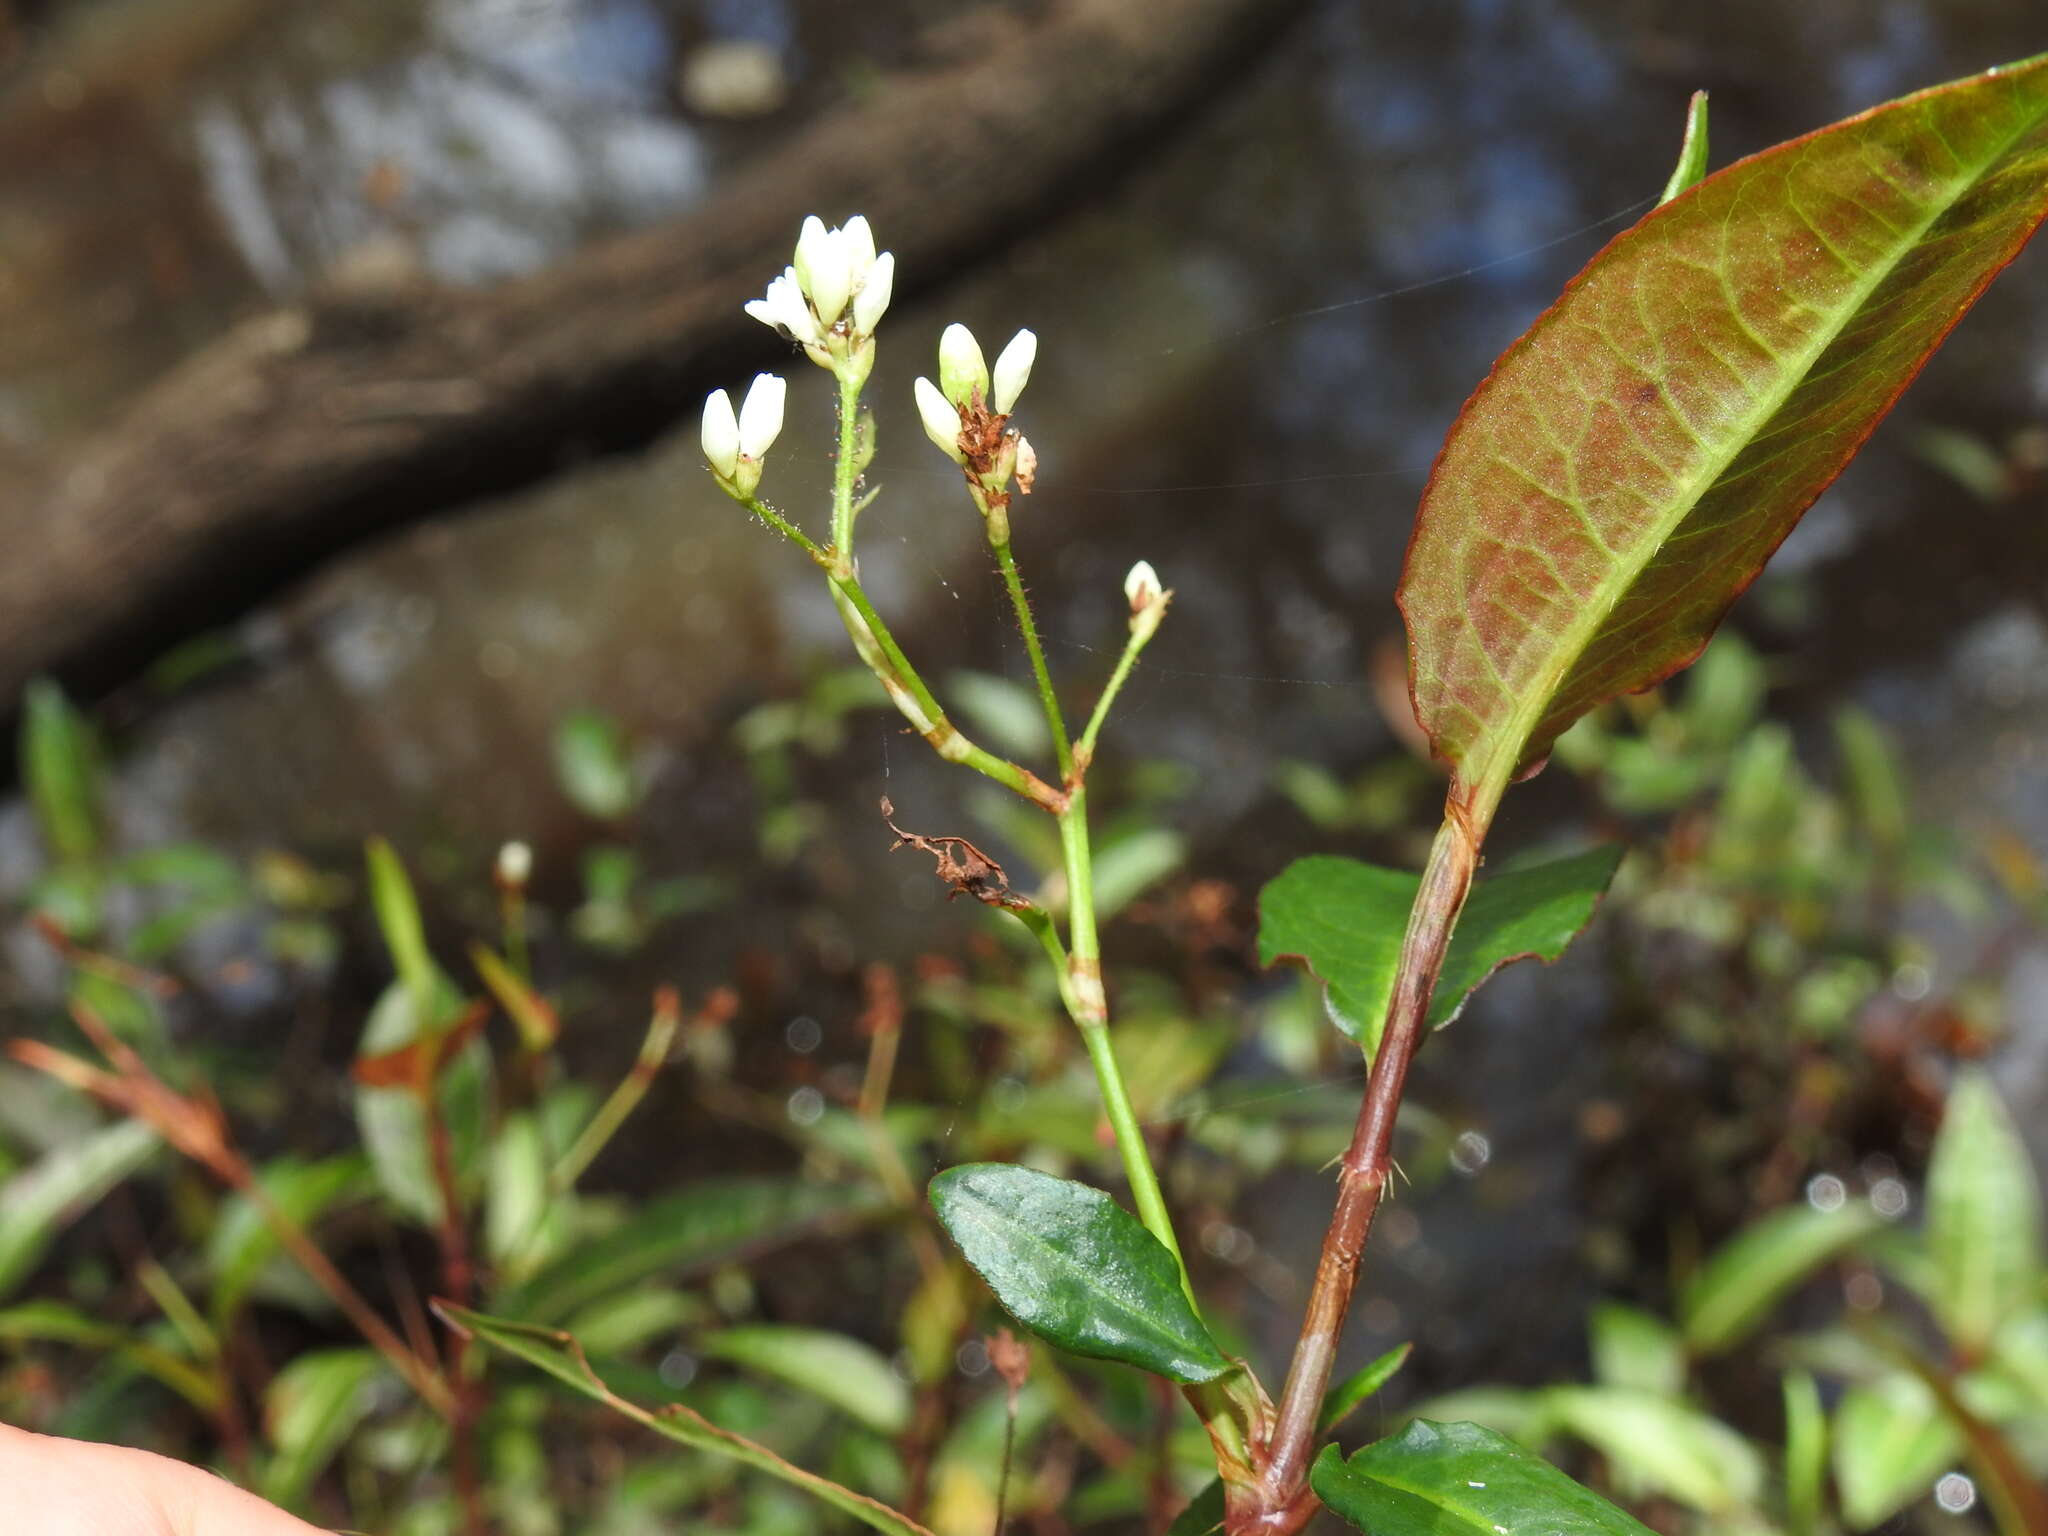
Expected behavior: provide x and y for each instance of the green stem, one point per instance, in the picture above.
(845, 470)
(785, 527)
(1084, 750)
(885, 658)
(626, 1097)
(1089, 1006)
(1062, 752)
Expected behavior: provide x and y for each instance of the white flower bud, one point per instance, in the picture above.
(813, 251)
(721, 435)
(761, 415)
(963, 376)
(1142, 585)
(941, 420)
(1013, 371)
(831, 280)
(860, 247)
(873, 297)
(515, 865)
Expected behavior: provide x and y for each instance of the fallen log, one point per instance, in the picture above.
(309, 429)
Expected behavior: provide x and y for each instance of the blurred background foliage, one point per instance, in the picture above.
(1831, 912)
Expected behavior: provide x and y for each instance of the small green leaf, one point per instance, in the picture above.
(1343, 1400)
(707, 1224)
(1460, 1480)
(1204, 1514)
(310, 1410)
(241, 1245)
(398, 918)
(42, 1199)
(1344, 920)
(1633, 1349)
(60, 769)
(1875, 780)
(1691, 169)
(1660, 1446)
(1891, 1442)
(1745, 1277)
(1983, 1216)
(1075, 1267)
(851, 1376)
(593, 768)
(1806, 1454)
(558, 1355)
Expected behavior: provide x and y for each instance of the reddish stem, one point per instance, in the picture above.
(1282, 1504)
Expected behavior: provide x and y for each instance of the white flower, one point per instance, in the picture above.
(515, 864)
(761, 415)
(963, 376)
(941, 420)
(1013, 371)
(1142, 585)
(872, 298)
(784, 310)
(721, 435)
(859, 242)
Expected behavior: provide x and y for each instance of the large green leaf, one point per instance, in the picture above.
(1891, 1442)
(1075, 1267)
(1460, 1480)
(1344, 921)
(853, 1377)
(1745, 1276)
(694, 1229)
(1637, 455)
(1983, 1216)
(558, 1355)
(41, 1200)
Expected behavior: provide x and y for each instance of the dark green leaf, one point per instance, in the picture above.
(1747, 1275)
(1691, 169)
(1460, 1480)
(1204, 1514)
(1073, 1266)
(558, 1355)
(692, 1230)
(844, 1372)
(1343, 1400)
(1344, 920)
(1983, 1216)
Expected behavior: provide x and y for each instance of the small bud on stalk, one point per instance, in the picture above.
(515, 866)
(1147, 598)
(735, 445)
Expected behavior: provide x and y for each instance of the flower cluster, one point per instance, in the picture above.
(829, 300)
(966, 389)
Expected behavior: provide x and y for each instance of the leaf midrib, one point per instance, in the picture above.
(1080, 1275)
(1535, 702)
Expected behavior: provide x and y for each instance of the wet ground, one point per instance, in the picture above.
(1251, 347)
